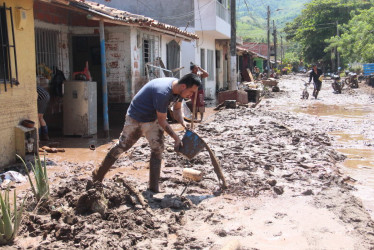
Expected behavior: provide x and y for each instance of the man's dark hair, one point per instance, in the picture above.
(190, 79)
(192, 65)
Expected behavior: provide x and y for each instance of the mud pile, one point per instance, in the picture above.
(260, 155)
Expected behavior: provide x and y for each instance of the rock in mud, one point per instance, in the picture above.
(92, 201)
(278, 190)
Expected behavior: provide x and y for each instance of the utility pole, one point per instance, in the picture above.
(268, 57)
(337, 52)
(281, 51)
(275, 45)
(233, 47)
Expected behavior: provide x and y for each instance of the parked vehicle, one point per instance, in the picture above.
(351, 80)
(337, 84)
(327, 75)
(369, 80)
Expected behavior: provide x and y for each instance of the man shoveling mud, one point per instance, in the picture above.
(147, 116)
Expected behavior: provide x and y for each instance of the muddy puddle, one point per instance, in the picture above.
(359, 165)
(351, 142)
(349, 111)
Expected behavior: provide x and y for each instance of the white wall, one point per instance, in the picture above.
(207, 41)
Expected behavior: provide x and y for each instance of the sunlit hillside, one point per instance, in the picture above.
(252, 16)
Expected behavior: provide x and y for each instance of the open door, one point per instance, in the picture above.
(173, 56)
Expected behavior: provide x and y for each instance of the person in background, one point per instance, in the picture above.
(43, 100)
(257, 72)
(147, 116)
(317, 80)
(200, 104)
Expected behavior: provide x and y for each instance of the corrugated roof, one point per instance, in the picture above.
(127, 18)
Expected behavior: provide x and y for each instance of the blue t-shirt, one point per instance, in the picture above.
(155, 96)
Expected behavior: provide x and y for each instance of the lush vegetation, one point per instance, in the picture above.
(316, 30)
(359, 31)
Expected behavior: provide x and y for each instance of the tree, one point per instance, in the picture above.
(356, 43)
(318, 23)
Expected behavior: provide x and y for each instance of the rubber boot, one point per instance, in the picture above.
(154, 174)
(314, 93)
(44, 133)
(100, 171)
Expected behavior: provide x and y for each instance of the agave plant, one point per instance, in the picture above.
(41, 186)
(9, 220)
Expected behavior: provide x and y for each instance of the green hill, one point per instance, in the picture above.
(251, 16)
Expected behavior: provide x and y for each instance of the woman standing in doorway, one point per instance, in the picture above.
(200, 104)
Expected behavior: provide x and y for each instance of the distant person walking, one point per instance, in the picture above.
(316, 75)
(43, 100)
(200, 103)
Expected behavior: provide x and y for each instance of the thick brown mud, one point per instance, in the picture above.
(286, 189)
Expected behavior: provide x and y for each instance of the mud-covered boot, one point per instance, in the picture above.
(154, 175)
(100, 171)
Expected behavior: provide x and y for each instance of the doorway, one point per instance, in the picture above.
(173, 57)
(87, 49)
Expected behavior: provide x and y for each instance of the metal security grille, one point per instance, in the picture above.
(210, 64)
(150, 54)
(7, 61)
(46, 42)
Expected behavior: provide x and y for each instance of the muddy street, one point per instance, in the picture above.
(296, 171)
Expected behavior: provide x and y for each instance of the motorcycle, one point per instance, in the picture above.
(337, 85)
(352, 80)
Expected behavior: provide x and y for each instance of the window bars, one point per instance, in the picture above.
(6, 60)
(46, 43)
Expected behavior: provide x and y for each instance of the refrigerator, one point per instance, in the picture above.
(80, 108)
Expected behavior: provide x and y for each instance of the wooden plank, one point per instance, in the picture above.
(250, 75)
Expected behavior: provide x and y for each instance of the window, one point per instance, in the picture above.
(210, 64)
(8, 63)
(218, 59)
(150, 53)
(46, 42)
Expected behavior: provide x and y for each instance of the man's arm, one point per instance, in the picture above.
(161, 118)
(204, 73)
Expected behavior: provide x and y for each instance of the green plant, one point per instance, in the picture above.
(9, 220)
(41, 187)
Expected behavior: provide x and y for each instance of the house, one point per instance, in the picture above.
(209, 19)
(260, 51)
(17, 73)
(40, 35)
(70, 33)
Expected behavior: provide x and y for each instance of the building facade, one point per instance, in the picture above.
(18, 96)
(209, 19)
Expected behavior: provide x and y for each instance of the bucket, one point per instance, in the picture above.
(192, 144)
